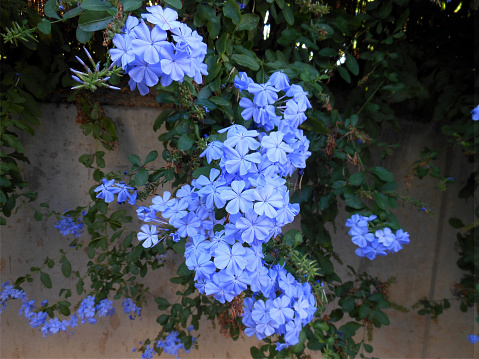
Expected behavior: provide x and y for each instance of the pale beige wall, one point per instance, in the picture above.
(425, 267)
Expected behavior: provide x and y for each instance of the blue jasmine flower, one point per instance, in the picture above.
(242, 81)
(148, 43)
(214, 151)
(105, 307)
(202, 265)
(164, 18)
(264, 94)
(361, 236)
(144, 72)
(475, 114)
(215, 287)
(373, 249)
(123, 193)
(385, 236)
(107, 190)
(275, 147)
(280, 346)
(174, 63)
(144, 90)
(123, 53)
(280, 310)
(161, 203)
(238, 198)
(268, 199)
(239, 160)
(149, 236)
(279, 80)
(473, 338)
(254, 227)
(230, 257)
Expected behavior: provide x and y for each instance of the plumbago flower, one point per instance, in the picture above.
(250, 184)
(164, 51)
(372, 242)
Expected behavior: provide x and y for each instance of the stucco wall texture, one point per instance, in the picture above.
(426, 267)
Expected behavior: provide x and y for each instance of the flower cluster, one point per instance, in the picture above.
(172, 344)
(251, 185)
(373, 242)
(39, 318)
(130, 308)
(149, 56)
(108, 189)
(67, 225)
(475, 113)
(288, 306)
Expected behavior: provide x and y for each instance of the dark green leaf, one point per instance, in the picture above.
(45, 26)
(38, 216)
(97, 5)
(45, 278)
(94, 20)
(135, 160)
(153, 155)
(352, 64)
(357, 178)
(72, 13)
(83, 36)
(344, 74)
(382, 173)
(141, 177)
(66, 267)
(50, 9)
(185, 142)
(248, 22)
(288, 14)
(131, 5)
(246, 61)
(174, 3)
(231, 10)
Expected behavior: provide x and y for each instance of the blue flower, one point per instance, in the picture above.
(475, 114)
(473, 338)
(149, 236)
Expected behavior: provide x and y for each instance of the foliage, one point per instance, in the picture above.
(371, 53)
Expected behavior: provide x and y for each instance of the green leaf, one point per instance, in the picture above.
(153, 155)
(45, 278)
(141, 177)
(328, 52)
(14, 142)
(380, 316)
(174, 3)
(382, 173)
(50, 9)
(66, 267)
(344, 74)
(135, 160)
(356, 178)
(83, 36)
(79, 287)
(94, 20)
(352, 64)
(231, 10)
(38, 216)
(219, 101)
(97, 5)
(288, 14)
(162, 303)
(256, 353)
(246, 61)
(183, 270)
(248, 22)
(131, 5)
(185, 142)
(381, 200)
(72, 13)
(347, 303)
(364, 310)
(45, 26)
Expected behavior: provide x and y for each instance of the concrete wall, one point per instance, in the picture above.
(426, 267)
